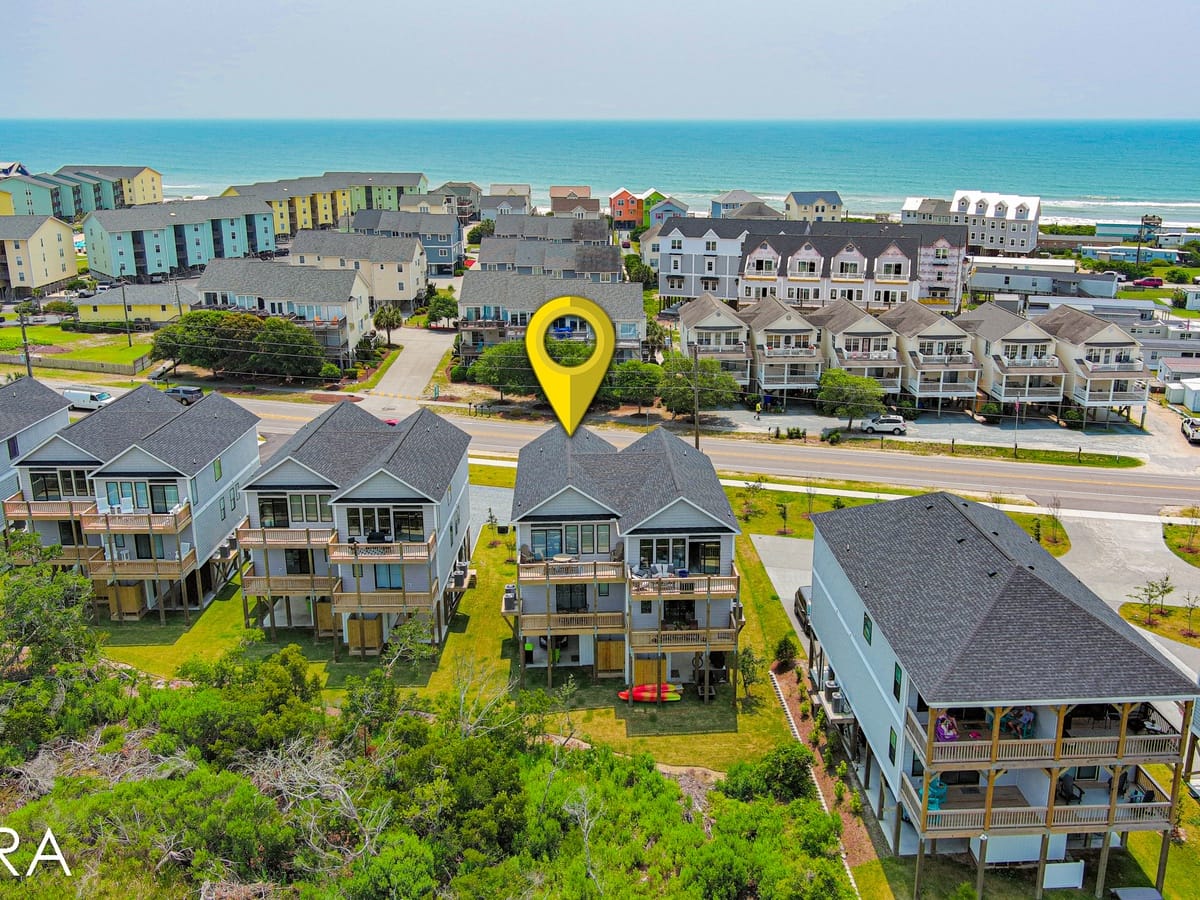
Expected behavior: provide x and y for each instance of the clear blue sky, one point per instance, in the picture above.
(601, 59)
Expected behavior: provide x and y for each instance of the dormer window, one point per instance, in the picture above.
(1022, 211)
(963, 204)
(981, 208)
(1001, 209)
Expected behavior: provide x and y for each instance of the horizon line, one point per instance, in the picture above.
(619, 120)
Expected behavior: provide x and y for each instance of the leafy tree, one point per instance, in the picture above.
(505, 367)
(61, 308)
(656, 335)
(402, 869)
(285, 348)
(750, 666)
(852, 396)
(785, 651)
(388, 317)
(636, 382)
(42, 621)
(443, 306)
(486, 228)
(717, 387)
(209, 339)
(637, 270)
(1171, 276)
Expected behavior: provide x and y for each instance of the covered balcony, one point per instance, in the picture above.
(1090, 734)
(690, 636)
(348, 599)
(122, 567)
(1106, 392)
(258, 583)
(650, 582)
(568, 569)
(963, 810)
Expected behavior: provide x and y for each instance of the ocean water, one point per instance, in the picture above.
(1084, 171)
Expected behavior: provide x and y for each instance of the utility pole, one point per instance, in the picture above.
(696, 393)
(178, 305)
(125, 309)
(25, 345)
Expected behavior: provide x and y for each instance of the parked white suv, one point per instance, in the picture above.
(894, 424)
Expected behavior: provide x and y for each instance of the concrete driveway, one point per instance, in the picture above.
(404, 383)
(788, 562)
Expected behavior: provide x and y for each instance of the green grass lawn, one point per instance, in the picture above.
(115, 350)
(982, 451)
(371, 382)
(1054, 539)
(1184, 542)
(40, 336)
(440, 378)
(493, 476)
(1171, 623)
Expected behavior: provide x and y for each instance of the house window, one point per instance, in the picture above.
(13, 450)
(390, 577)
(847, 268)
(676, 244)
(710, 246)
(217, 469)
(891, 745)
(867, 627)
(222, 505)
(897, 681)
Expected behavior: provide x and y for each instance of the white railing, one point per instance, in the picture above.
(1034, 393)
(790, 351)
(1083, 396)
(1132, 365)
(868, 354)
(739, 347)
(946, 359)
(1032, 362)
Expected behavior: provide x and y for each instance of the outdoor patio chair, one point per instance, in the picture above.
(1068, 791)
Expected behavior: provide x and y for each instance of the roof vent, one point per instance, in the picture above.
(960, 540)
(992, 574)
(929, 506)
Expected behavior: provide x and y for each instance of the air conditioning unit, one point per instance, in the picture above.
(839, 704)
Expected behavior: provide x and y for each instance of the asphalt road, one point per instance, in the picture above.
(1106, 490)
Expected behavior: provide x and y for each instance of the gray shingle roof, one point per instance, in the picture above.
(501, 189)
(25, 402)
(552, 228)
(110, 172)
(372, 247)
(769, 310)
(926, 234)
(989, 321)
(567, 257)
(21, 228)
(330, 181)
(406, 224)
(567, 204)
(178, 212)
(621, 300)
(345, 444)
(756, 209)
(493, 201)
(1071, 325)
(829, 246)
(736, 196)
(702, 307)
(278, 280)
(838, 316)
(191, 441)
(978, 613)
(910, 318)
(145, 294)
(129, 419)
(808, 198)
(652, 473)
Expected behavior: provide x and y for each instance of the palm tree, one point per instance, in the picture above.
(388, 317)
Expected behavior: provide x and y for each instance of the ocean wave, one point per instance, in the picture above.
(1165, 204)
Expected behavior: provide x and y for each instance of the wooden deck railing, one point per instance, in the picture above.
(17, 507)
(267, 538)
(715, 638)
(351, 601)
(687, 586)
(568, 572)
(396, 551)
(293, 585)
(573, 623)
(143, 568)
(138, 522)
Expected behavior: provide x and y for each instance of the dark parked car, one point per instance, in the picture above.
(185, 395)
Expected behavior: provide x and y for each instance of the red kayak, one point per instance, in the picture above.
(650, 693)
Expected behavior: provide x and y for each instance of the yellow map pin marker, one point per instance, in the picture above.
(570, 389)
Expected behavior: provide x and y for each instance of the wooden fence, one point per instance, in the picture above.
(83, 365)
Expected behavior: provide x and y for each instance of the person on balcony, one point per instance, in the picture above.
(946, 728)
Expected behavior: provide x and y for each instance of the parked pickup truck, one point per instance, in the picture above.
(1191, 430)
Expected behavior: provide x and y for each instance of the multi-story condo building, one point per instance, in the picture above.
(323, 200)
(355, 526)
(858, 342)
(141, 241)
(937, 360)
(143, 496)
(333, 303)
(714, 331)
(625, 207)
(553, 228)
(1161, 338)
(1002, 709)
(1104, 364)
(75, 190)
(1017, 358)
(984, 282)
(558, 260)
(441, 235)
(30, 413)
(395, 270)
(626, 561)
(786, 348)
(812, 270)
(37, 253)
(467, 195)
(814, 206)
(726, 204)
(926, 210)
(998, 224)
(495, 307)
(698, 255)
